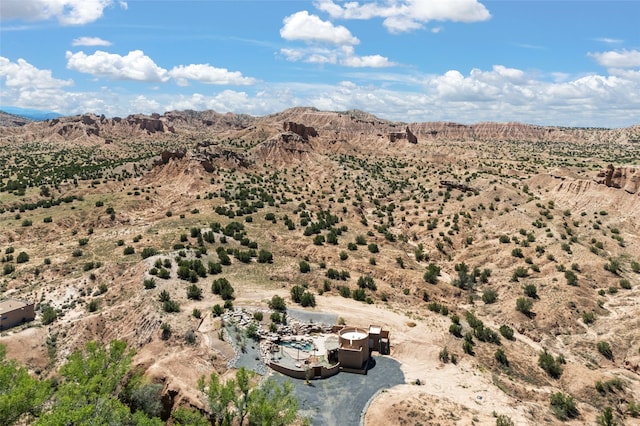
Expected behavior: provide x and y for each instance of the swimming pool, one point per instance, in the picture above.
(303, 346)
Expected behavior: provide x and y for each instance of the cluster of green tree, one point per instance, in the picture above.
(63, 165)
(302, 296)
(97, 386)
(466, 280)
(45, 204)
(190, 270)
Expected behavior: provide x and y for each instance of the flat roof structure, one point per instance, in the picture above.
(10, 305)
(14, 312)
(354, 335)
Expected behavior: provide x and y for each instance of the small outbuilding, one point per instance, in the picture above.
(14, 312)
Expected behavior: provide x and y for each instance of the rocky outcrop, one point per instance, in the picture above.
(406, 135)
(456, 185)
(167, 156)
(283, 148)
(151, 124)
(10, 120)
(300, 129)
(411, 137)
(627, 178)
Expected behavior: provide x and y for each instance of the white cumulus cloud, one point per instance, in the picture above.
(90, 41)
(310, 28)
(137, 66)
(23, 84)
(67, 12)
(371, 61)
(134, 66)
(21, 74)
(344, 56)
(500, 93)
(205, 73)
(618, 58)
(407, 15)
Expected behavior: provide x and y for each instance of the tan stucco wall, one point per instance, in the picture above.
(17, 316)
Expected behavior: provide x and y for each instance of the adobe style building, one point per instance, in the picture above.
(356, 344)
(14, 312)
(350, 352)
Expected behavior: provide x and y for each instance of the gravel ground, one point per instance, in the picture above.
(341, 399)
(250, 358)
(315, 317)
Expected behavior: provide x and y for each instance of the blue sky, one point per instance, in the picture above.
(571, 63)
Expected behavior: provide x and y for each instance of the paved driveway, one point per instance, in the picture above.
(341, 399)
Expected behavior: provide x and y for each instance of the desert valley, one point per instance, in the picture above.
(502, 258)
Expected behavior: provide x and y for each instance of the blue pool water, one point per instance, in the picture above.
(303, 346)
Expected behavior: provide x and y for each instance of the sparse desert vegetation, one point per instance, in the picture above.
(504, 261)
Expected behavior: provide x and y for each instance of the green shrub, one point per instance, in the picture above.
(489, 296)
(344, 291)
(164, 296)
(444, 355)
(467, 347)
(217, 310)
(148, 252)
(432, 273)
(304, 267)
(93, 306)
(456, 330)
(223, 288)
(23, 257)
(588, 317)
(605, 349)
(166, 331)
(170, 306)
(501, 357)
(571, 277)
(524, 305)
(149, 283)
(503, 420)
(613, 266)
(48, 314)
(507, 332)
(296, 293)
(563, 406)
(358, 294)
(277, 303)
(531, 291)
(128, 250)
(265, 256)
(308, 299)
(550, 365)
(520, 272)
(194, 292)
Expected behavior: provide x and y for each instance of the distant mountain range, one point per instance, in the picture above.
(31, 114)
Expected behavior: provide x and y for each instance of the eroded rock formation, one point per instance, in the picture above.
(407, 134)
(167, 156)
(300, 129)
(627, 178)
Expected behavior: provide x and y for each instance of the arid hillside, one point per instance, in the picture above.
(504, 259)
